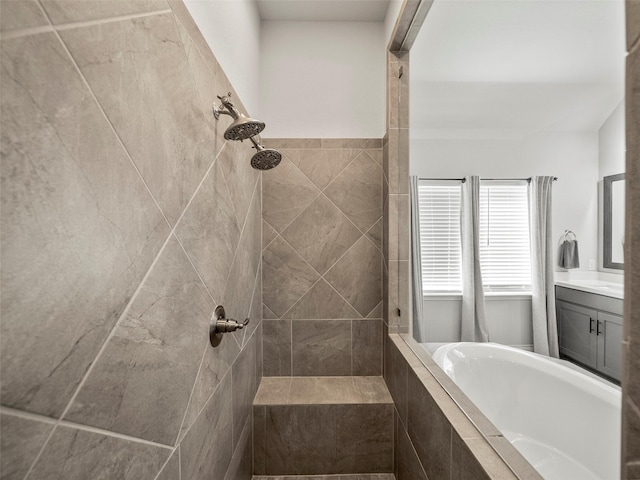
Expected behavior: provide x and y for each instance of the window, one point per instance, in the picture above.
(439, 205)
(505, 256)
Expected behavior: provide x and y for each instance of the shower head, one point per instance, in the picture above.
(265, 158)
(242, 127)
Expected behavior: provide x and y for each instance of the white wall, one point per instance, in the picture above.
(323, 79)
(570, 156)
(390, 20)
(612, 143)
(232, 30)
(508, 319)
(612, 161)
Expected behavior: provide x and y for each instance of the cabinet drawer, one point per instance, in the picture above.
(590, 300)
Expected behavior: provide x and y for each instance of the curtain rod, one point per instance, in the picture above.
(492, 179)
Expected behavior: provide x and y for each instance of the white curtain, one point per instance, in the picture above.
(543, 301)
(473, 326)
(416, 264)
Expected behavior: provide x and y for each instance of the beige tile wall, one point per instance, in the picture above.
(126, 218)
(322, 261)
(631, 344)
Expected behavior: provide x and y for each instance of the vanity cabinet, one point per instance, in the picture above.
(590, 330)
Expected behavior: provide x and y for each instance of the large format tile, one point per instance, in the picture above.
(154, 109)
(300, 439)
(357, 190)
(149, 366)
(19, 14)
(244, 387)
(364, 438)
(286, 277)
(20, 442)
(276, 338)
(429, 430)
(287, 192)
(366, 338)
(243, 272)
(69, 11)
(79, 228)
(240, 467)
(321, 301)
(171, 470)
(321, 165)
(321, 347)
(73, 454)
(407, 464)
(321, 234)
(357, 276)
(206, 450)
(209, 231)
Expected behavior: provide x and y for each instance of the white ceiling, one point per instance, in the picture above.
(502, 67)
(323, 10)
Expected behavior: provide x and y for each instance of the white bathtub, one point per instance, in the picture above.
(565, 423)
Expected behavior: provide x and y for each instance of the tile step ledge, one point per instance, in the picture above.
(322, 391)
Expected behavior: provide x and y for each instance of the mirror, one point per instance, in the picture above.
(613, 221)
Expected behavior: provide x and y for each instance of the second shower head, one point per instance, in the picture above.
(265, 158)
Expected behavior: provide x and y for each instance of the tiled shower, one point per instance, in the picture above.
(126, 218)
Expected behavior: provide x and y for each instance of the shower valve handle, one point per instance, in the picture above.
(221, 325)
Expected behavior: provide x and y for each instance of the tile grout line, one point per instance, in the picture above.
(101, 21)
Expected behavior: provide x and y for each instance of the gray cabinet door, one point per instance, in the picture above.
(610, 344)
(576, 331)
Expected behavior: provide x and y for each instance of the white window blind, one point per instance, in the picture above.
(504, 236)
(439, 206)
(505, 256)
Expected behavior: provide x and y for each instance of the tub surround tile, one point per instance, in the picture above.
(171, 470)
(134, 382)
(366, 340)
(513, 458)
(429, 430)
(286, 276)
(20, 14)
(356, 191)
(20, 442)
(70, 11)
(207, 448)
(286, 193)
(276, 344)
(321, 347)
(73, 454)
(357, 276)
(396, 371)
(320, 165)
(321, 234)
(210, 232)
(156, 111)
(407, 465)
(464, 464)
(321, 301)
(70, 270)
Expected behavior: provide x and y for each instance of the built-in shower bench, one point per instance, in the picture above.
(322, 425)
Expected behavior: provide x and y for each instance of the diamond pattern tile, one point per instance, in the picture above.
(357, 190)
(321, 234)
(319, 164)
(286, 192)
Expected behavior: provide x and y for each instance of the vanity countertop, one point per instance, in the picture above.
(599, 287)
